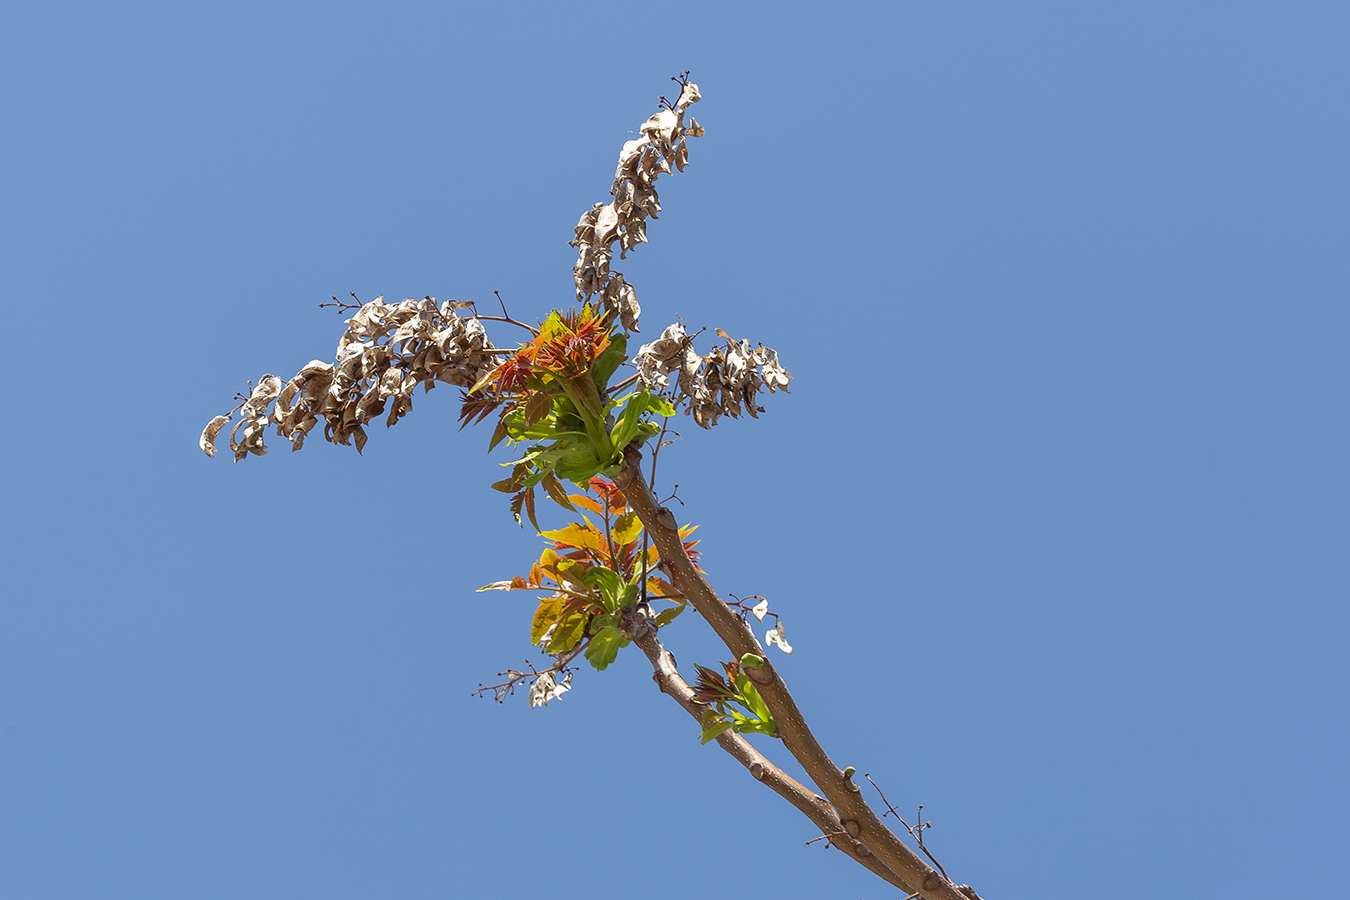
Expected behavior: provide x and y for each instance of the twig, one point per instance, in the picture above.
(506, 316)
(915, 831)
(507, 688)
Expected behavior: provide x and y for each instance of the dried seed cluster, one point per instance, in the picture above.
(624, 219)
(386, 352)
(718, 383)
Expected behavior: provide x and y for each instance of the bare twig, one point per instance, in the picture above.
(506, 317)
(513, 677)
(916, 830)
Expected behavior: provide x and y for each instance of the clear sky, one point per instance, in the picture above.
(1056, 514)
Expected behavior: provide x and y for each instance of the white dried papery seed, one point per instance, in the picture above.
(545, 689)
(737, 368)
(688, 95)
(585, 227)
(208, 438)
(681, 156)
(606, 225)
(689, 366)
(774, 375)
(269, 386)
(619, 295)
(694, 129)
(775, 637)
(760, 609)
(628, 157)
(662, 126)
(655, 361)
(635, 231)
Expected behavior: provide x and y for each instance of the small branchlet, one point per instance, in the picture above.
(544, 684)
(915, 831)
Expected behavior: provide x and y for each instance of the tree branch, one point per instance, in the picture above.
(870, 835)
(810, 804)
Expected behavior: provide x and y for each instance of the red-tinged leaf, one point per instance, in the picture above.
(659, 587)
(557, 492)
(529, 507)
(537, 408)
(475, 408)
(615, 501)
(516, 502)
(499, 434)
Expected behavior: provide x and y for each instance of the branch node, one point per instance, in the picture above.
(852, 827)
(757, 771)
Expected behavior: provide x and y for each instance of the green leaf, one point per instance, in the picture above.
(626, 427)
(751, 661)
(660, 406)
(751, 700)
(666, 616)
(605, 646)
(711, 731)
(604, 368)
(609, 583)
(579, 466)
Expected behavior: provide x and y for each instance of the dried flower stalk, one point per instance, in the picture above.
(387, 350)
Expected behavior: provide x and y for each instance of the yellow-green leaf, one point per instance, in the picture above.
(550, 608)
(627, 528)
(568, 633)
(583, 537)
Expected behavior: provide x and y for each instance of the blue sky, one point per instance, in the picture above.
(1056, 514)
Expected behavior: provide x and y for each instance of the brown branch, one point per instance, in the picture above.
(810, 804)
(871, 836)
